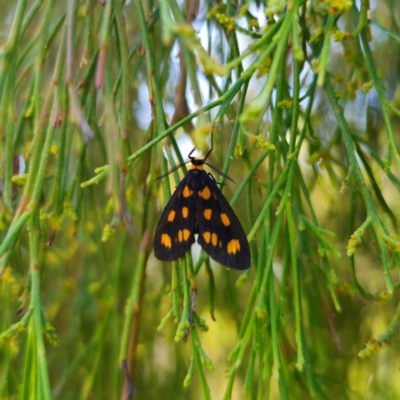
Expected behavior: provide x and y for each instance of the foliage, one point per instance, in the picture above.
(98, 99)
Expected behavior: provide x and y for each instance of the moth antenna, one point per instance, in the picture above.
(171, 170)
(212, 144)
(190, 154)
(219, 171)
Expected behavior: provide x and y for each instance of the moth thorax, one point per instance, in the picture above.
(197, 162)
(195, 178)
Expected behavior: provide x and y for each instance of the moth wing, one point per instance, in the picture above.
(175, 230)
(220, 232)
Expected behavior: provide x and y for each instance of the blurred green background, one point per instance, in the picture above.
(98, 99)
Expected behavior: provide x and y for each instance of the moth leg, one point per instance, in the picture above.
(212, 177)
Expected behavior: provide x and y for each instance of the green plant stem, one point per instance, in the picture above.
(33, 187)
(259, 105)
(15, 31)
(274, 325)
(184, 324)
(39, 355)
(356, 171)
(235, 132)
(296, 286)
(266, 208)
(197, 359)
(381, 96)
(384, 337)
(176, 291)
(31, 14)
(363, 21)
(323, 58)
(124, 80)
(383, 29)
(267, 39)
(292, 158)
(354, 281)
(133, 304)
(240, 351)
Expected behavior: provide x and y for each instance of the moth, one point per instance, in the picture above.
(199, 207)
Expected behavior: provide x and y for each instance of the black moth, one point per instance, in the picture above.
(198, 206)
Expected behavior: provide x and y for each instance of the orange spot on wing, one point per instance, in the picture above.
(205, 193)
(166, 240)
(214, 239)
(186, 234)
(186, 192)
(183, 235)
(171, 216)
(207, 213)
(233, 246)
(185, 212)
(225, 219)
(207, 237)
